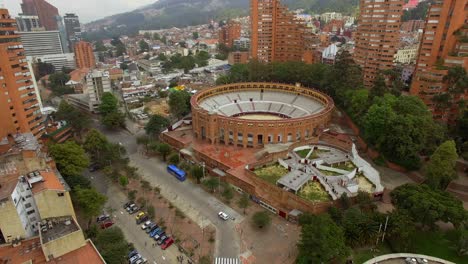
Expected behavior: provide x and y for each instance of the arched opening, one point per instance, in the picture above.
(203, 132)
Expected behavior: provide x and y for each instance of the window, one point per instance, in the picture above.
(28, 205)
(30, 212)
(60, 194)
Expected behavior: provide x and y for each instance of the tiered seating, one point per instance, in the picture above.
(284, 103)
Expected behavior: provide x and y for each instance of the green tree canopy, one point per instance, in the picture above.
(114, 120)
(112, 245)
(70, 158)
(244, 202)
(43, 69)
(179, 103)
(143, 45)
(77, 119)
(441, 169)
(95, 144)
(164, 149)
(90, 202)
(322, 241)
(109, 103)
(197, 173)
(261, 219)
(427, 206)
(156, 125)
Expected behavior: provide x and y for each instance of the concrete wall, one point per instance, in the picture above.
(10, 223)
(63, 245)
(51, 205)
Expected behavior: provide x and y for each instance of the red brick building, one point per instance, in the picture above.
(377, 36)
(277, 35)
(84, 55)
(442, 47)
(19, 104)
(46, 12)
(229, 32)
(413, 25)
(238, 57)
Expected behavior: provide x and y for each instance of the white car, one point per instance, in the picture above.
(146, 224)
(223, 215)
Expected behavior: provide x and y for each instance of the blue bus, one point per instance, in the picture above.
(178, 173)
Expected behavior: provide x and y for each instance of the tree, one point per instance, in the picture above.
(197, 173)
(90, 202)
(261, 219)
(109, 103)
(227, 193)
(57, 83)
(379, 88)
(441, 169)
(112, 245)
(162, 57)
(123, 180)
(244, 201)
(359, 227)
(462, 245)
(195, 35)
(70, 158)
(164, 149)
(400, 229)
(156, 36)
(143, 46)
(179, 103)
(427, 206)
(99, 46)
(156, 125)
(174, 159)
(114, 120)
(120, 50)
(43, 69)
(95, 144)
(77, 119)
(322, 241)
(211, 184)
(147, 35)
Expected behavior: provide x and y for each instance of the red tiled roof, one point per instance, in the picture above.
(30, 250)
(51, 182)
(78, 74)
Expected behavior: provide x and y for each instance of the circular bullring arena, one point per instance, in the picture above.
(255, 114)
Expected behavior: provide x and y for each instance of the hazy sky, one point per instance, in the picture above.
(87, 10)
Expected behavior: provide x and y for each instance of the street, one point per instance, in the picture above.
(126, 222)
(198, 205)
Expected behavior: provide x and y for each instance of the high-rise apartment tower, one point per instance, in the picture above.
(84, 55)
(46, 12)
(276, 34)
(377, 36)
(443, 46)
(230, 32)
(19, 101)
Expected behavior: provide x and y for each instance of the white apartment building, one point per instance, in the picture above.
(40, 43)
(406, 55)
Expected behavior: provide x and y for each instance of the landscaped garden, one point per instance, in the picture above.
(313, 191)
(316, 153)
(271, 173)
(329, 173)
(347, 166)
(303, 153)
(364, 184)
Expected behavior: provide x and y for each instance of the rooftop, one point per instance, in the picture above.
(50, 181)
(30, 250)
(7, 185)
(55, 228)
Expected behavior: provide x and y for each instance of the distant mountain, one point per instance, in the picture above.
(180, 13)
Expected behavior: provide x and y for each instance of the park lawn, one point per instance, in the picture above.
(437, 244)
(303, 153)
(347, 166)
(361, 255)
(313, 191)
(271, 173)
(329, 173)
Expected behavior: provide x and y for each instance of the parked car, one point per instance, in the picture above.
(152, 227)
(102, 217)
(422, 261)
(127, 204)
(159, 235)
(133, 259)
(132, 253)
(146, 225)
(167, 243)
(140, 214)
(162, 239)
(223, 216)
(141, 261)
(410, 261)
(106, 224)
(154, 232)
(142, 219)
(129, 207)
(134, 209)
